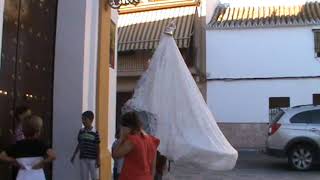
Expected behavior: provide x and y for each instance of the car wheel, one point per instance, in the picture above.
(301, 157)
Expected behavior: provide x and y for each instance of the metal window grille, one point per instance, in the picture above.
(316, 99)
(317, 42)
(276, 104)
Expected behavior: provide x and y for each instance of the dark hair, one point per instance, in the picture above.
(20, 110)
(132, 121)
(32, 125)
(117, 135)
(88, 114)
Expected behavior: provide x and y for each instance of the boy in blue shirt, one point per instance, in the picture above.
(88, 145)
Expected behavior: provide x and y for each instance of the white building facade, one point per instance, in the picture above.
(258, 57)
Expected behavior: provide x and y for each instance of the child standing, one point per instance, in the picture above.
(29, 154)
(138, 149)
(118, 163)
(20, 114)
(88, 145)
(160, 166)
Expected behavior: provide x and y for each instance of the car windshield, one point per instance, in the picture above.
(277, 116)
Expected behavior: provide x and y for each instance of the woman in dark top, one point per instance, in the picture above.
(29, 154)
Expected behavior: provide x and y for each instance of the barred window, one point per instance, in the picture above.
(275, 106)
(279, 102)
(317, 42)
(316, 99)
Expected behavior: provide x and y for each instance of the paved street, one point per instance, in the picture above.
(250, 166)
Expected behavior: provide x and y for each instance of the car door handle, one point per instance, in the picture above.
(314, 130)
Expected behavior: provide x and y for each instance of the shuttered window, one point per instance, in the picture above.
(316, 99)
(317, 42)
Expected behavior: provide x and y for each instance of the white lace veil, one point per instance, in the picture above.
(181, 118)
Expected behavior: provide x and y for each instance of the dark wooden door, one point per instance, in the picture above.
(26, 74)
(122, 98)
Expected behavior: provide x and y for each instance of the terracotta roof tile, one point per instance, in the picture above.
(226, 17)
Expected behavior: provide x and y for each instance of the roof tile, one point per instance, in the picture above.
(226, 17)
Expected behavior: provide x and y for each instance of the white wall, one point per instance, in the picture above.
(248, 101)
(113, 90)
(211, 6)
(74, 79)
(273, 52)
(112, 107)
(90, 55)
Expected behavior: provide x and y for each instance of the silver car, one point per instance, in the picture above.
(295, 133)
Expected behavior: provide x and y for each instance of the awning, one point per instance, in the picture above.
(142, 30)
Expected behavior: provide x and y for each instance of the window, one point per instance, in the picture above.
(122, 98)
(316, 117)
(303, 117)
(275, 105)
(316, 99)
(307, 117)
(317, 42)
(279, 102)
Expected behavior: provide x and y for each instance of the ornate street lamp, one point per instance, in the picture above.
(116, 4)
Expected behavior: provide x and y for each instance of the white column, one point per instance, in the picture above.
(211, 6)
(74, 79)
(113, 89)
(90, 53)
